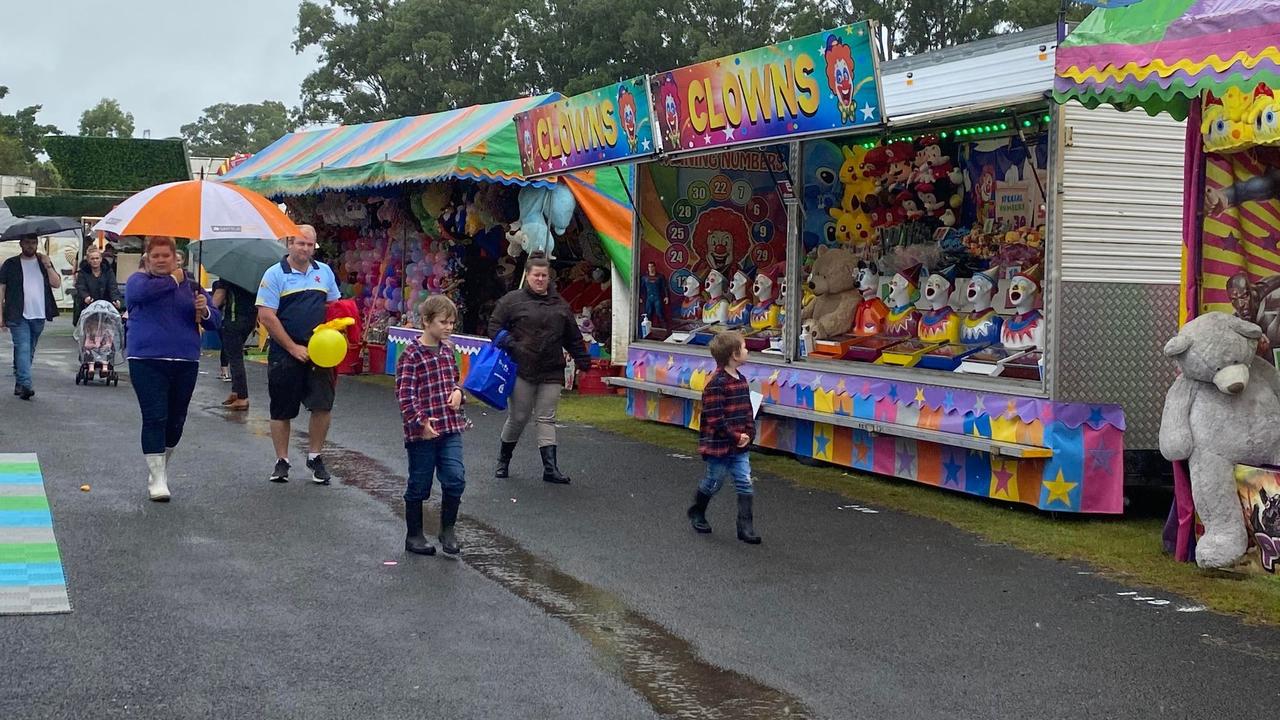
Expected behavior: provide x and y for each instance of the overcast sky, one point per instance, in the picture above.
(164, 60)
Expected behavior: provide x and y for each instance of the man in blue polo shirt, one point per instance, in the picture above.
(291, 303)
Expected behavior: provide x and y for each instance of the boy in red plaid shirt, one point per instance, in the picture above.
(430, 396)
(727, 427)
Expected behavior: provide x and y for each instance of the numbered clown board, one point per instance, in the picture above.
(714, 237)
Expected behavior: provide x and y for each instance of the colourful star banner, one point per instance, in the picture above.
(607, 125)
(815, 84)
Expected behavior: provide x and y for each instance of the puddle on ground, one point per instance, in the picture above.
(662, 667)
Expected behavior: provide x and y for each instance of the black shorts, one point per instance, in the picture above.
(291, 384)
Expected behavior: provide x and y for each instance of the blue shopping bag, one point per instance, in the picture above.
(493, 375)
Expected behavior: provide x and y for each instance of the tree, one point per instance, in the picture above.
(106, 119)
(226, 129)
(22, 126)
(382, 59)
(13, 157)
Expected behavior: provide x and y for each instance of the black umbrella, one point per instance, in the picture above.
(39, 226)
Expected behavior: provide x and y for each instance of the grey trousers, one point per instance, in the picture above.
(528, 399)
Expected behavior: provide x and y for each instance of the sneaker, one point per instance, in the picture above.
(17, 389)
(319, 475)
(281, 473)
(26, 393)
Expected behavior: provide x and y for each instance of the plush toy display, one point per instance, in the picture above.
(716, 307)
(940, 323)
(764, 313)
(904, 291)
(691, 302)
(868, 318)
(1219, 412)
(982, 324)
(1025, 330)
(740, 300)
(835, 295)
(542, 211)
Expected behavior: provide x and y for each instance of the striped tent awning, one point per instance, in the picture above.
(1160, 54)
(477, 142)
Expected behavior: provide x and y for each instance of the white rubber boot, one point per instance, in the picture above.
(168, 454)
(157, 483)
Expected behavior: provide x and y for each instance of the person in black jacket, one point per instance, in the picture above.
(541, 328)
(94, 281)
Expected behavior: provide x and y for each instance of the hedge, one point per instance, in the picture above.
(117, 165)
(62, 205)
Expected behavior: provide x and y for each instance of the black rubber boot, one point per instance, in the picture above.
(698, 512)
(746, 531)
(414, 542)
(448, 518)
(551, 473)
(504, 460)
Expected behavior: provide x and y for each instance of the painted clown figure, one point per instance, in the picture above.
(981, 325)
(766, 312)
(903, 320)
(940, 323)
(1025, 330)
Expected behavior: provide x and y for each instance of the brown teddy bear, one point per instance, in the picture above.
(833, 282)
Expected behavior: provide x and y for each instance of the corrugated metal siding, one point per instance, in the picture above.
(1009, 66)
(1121, 200)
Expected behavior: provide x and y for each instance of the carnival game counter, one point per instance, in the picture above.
(1002, 445)
(465, 347)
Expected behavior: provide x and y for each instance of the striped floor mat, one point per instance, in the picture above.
(31, 579)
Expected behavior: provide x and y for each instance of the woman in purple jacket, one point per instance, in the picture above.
(165, 310)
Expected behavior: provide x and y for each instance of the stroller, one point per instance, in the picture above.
(101, 337)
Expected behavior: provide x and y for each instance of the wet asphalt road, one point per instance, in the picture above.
(246, 599)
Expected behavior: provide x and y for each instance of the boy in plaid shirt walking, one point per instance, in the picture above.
(430, 396)
(727, 428)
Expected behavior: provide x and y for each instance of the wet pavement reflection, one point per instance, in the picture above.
(662, 667)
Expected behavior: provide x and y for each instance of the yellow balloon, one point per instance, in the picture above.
(327, 347)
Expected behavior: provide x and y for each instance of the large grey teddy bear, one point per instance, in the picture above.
(1222, 410)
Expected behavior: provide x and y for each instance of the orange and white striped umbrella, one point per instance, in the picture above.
(198, 210)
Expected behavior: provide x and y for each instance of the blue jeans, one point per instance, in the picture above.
(738, 467)
(26, 333)
(164, 390)
(441, 458)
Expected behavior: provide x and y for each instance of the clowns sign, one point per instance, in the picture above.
(608, 125)
(815, 84)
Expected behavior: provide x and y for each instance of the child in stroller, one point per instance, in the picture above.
(101, 336)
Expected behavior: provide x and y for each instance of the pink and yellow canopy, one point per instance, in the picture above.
(1159, 55)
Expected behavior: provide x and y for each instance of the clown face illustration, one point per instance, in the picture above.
(528, 143)
(839, 58)
(627, 106)
(669, 99)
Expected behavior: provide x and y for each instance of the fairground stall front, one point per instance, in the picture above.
(437, 204)
(942, 275)
(1216, 64)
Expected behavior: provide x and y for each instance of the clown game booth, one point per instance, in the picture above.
(1214, 63)
(438, 204)
(942, 275)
